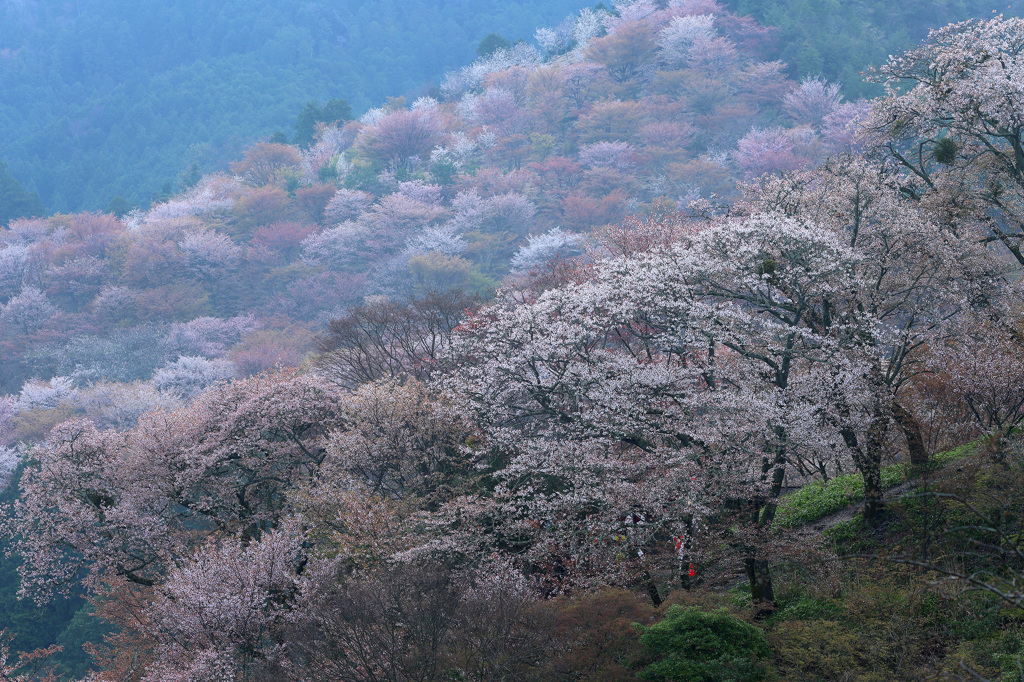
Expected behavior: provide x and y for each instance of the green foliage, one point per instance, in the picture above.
(826, 650)
(443, 172)
(363, 177)
(328, 173)
(848, 536)
(959, 452)
(841, 39)
(491, 43)
(34, 626)
(693, 646)
(817, 500)
(335, 111)
(119, 207)
(808, 608)
(190, 178)
(15, 200)
(106, 98)
(945, 150)
(1011, 666)
(83, 628)
(739, 596)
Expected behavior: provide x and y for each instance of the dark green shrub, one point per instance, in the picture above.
(693, 646)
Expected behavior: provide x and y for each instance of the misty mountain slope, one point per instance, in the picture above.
(106, 97)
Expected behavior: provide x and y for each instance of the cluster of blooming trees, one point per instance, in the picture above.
(523, 154)
(522, 157)
(629, 404)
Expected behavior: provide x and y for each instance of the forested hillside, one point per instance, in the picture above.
(106, 98)
(624, 354)
(524, 156)
(838, 39)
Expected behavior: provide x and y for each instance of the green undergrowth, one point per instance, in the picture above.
(868, 607)
(818, 499)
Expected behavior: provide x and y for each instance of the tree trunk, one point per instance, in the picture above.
(869, 463)
(759, 571)
(762, 593)
(912, 432)
(873, 502)
(652, 588)
(872, 472)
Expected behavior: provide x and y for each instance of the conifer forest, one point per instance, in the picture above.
(438, 341)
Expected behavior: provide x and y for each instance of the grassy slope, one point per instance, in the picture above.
(869, 616)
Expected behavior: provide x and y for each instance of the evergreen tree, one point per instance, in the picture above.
(335, 111)
(15, 200)
(491, 43)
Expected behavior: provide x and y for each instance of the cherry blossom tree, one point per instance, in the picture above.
(588, 25)
(339, 247)
(457, 83)
(331, 141)
(28, 311)
(713, 55)
(951, 121)
(763, 82)
(676, 39)
(812, 101)
(617, 155)
(188, 376)
(262, 163)
(210, 254)
(130, 505)
(580, 81)
(7, 414)
(347, 204)
(114, 304)
(842, 129)
(499, 109)
(220, 613)
(646, 370)
(402, 134)
(984, 369)
(119, 406)
(10, 457)
(812, 310)
(210, 337)
(278, 243)
(540, 249)
(920, 281)
(27, 666)
(214, 194)
(12, 270)
(403, 443)
(766, 151)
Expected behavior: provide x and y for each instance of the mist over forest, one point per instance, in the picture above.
(106, 98)
(656, 339)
